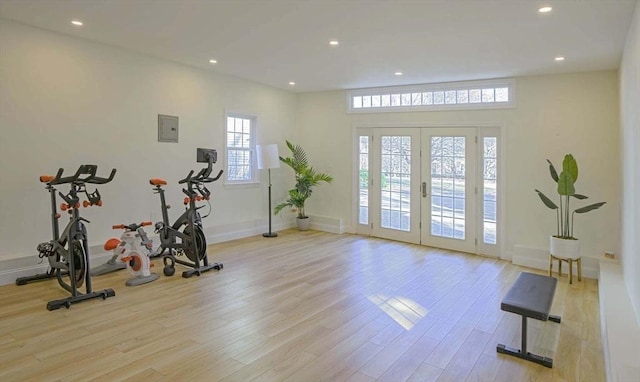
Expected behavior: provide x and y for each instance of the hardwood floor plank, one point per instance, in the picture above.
(485, 369)
(306, 306)
(465, 358)
(396, 349)
(425, 373)
(410, 361)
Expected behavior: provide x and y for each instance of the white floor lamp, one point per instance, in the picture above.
(268, 158)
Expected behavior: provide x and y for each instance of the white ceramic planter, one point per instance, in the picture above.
(569, 249)
(303, 224)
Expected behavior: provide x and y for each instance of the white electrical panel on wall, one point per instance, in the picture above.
(167, 128)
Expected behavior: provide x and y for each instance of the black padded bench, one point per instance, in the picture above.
(530, 296)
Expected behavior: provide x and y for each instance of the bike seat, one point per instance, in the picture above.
(157, 182)
(46, 178)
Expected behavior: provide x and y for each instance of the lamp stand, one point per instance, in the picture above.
(270, 234)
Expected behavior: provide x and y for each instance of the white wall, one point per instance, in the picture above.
(630, 157)
(558, 114)
(66, 101)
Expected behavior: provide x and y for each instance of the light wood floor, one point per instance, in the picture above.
(306, 306)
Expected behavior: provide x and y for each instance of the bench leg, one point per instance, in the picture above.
(523, 353)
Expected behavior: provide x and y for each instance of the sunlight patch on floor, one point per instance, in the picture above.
(404, 311)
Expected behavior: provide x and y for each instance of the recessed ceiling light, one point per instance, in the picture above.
(559, 58)
(544, 9)
(212, 61)
(334, 42)
(291, 83)
(77, 23)
(398, 73)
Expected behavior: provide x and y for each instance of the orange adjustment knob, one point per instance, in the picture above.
(64, 206)
(117, 226)
(145, 223)
(86, 203)
(57, 216)
(99, 204)
(186, 200)
(198, 198)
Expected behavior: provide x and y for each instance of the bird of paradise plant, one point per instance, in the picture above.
(566, 190)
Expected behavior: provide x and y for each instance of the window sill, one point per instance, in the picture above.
(252, 184)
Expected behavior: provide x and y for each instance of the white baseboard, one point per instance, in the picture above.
(538, 258)
(327, 224)
(619, 327)
(12, 269)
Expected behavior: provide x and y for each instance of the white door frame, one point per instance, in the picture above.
(500, 132)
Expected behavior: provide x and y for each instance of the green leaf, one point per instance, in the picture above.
(306, 178)
(565, 184)
(570, 166)
(547, 202)
(590, 207)
(552, 171)
(580, 196)
(298, 160)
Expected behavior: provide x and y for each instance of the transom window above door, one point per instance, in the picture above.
(458, 95)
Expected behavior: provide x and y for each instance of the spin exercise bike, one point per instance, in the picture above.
(129, 252)
(68, 253)
(185, 235)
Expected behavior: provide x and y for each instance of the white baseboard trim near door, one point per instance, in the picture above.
(538, 258)
(327, 224)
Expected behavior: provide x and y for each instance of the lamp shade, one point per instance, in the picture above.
(268, 156)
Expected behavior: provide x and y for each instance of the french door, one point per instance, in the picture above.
(448, 207)
(395, 184)
(433, 186)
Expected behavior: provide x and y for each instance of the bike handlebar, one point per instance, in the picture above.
(201, 177)
(208, 180)
(187, 179)
(98, 180)
(132, 226)
(86, 169)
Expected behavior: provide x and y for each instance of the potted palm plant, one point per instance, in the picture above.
(563, 243)
(306, 178)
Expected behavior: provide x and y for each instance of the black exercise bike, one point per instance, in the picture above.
(68, 253)
(188, 227)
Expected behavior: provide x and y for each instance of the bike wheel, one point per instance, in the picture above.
(64, 276)
(198, 243)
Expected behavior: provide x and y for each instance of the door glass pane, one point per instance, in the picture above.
(490, 177)
(363, 188)
(448, 187)
(395, 182)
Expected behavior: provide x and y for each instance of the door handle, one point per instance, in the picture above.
(424, 189)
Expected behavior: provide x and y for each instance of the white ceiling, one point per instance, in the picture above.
(277, 41)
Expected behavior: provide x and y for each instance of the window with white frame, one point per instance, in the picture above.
(453, 95)
(240, 145)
